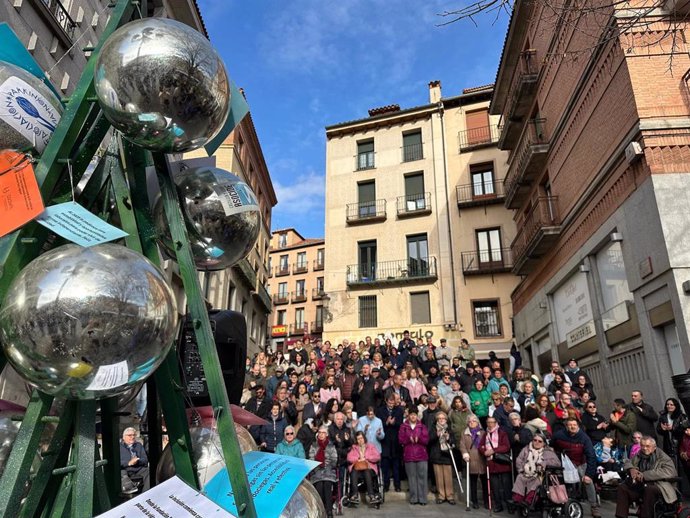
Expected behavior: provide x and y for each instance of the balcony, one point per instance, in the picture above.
(527, 162)
(281, 298)
(316, 326)
(404, 271)
(299, 328)
(59, 19)
(318, 264)
(520, 99)
(482, 262)
(317, 293)
(478, 137)
(412, 152)
(282, 270)
(246, 273)
(300, 267)
(298, 296)
(414, 205)
(263, 297)
(537, 234)
(364, 161)
(473, 195)
(366, 212)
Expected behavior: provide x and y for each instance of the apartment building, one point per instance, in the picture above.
(297, 287)
(598, 131)
(415, 231)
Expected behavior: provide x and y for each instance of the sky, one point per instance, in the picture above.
(308, 64)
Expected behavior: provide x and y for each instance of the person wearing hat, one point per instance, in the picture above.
(274, 380)
(444, 354)
(429, 415)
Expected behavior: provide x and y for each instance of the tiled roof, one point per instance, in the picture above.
(390, 108)
(475, 89)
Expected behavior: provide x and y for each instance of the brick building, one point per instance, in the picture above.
(597, 125)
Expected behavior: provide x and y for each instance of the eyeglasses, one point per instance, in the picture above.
(289, 433)
(537, 440)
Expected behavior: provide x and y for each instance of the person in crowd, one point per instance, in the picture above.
(341, 437)
(636, 445)
(496, 402)
(414, 437)
(467, 377)
(329, 411)
(259, 404)
(429, 415)
(519, 435)
(645, 414)
(548, 378)
(271, 433)
(301, 398)
(534, 423)
(300, 351)
(287, 406)
(527, 396)
(290, 446)
(406, 343)
(444, 386)
(495, 446)
(583, 385)
(362, 461)
(469, 448)
(480, 398)
(457, 418)
(324, 475)
(497, 381)
(347, 380)
(330, 390)
(648, 480)
(530, 465)
(315, 408)
(515, 359)
(556, 385)
(367, 391)
(623, 422)
(608, 457)
(467, 353)
(414, 385)
(391, 415)
(593, 423)
(576, 444)
(273, 381)
(423, 404)
(372, 427)
(307, 433)
(562, 410)
(670, 427)
(684, 453)
(134, 463)
(455, 391)
(441, 444)
(429, 360)
(397, 387)
(350, 415)
(573, 371)
(444, 354)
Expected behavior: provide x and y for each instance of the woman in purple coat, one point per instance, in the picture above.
(496, 441)
(414, 437)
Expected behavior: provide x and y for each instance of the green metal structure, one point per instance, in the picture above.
(77, 477)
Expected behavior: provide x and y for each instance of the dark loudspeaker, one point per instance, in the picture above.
(230, 334)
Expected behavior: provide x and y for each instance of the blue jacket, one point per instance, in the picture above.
(272, 432)
(294, 449)
(138, 451)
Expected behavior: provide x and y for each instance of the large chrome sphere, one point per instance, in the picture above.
(8, 433)
(163, 85)
(85, 323)
(29, 111)
(221, 213)
(304, 503)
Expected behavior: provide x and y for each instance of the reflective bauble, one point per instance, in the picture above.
(29, 111)
(304, 503)
(221, 214)
(163, 85)
(87, 323)
(8, 433)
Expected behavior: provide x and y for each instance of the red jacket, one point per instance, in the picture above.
(500, 446)
(414, 450)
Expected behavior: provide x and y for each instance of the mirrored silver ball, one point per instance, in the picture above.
(163, 85)
(87, 323)
(29, 111)
(221, 213)
(8, 433)
(304, 503)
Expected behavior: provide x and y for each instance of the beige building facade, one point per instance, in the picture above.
(415, 229)
(297, 287)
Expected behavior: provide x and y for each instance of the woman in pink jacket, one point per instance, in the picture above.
(362, 459)
(414, 437)
(330, 390)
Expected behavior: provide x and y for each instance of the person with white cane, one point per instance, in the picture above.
(475, 461)
(495, 446)
(441, 457)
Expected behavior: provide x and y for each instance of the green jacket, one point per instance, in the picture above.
(458, 423)
(479, 402)
(624, 429)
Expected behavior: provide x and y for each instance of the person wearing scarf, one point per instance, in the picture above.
(530, 465)
(469, 448)
(323, 477)
(414, 437)
(441, 443)
(496, 441)
(670, 427)
(363, 451)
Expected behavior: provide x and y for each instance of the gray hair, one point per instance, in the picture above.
(514, 414)
(647, 438)
(129, 429)
(289, 428)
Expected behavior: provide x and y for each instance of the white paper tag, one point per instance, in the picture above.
(110, 376)
(236, 198)
(28, 112)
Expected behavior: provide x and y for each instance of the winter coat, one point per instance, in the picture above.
(404, 394)
(624, 428)
(457, 419)
(328, 393)
(367, 393)
(271, 433)
(671, 438)
(371, 454)
(537, 425)
(306, 436)
(579, 448)
(480, 400)
(390, 445)
(477, 460)
(519, 437)
(662, 468)
(523, 484)
(342, 439)
(499, 445)
(415, 389)
(414, 451)
(436, 454)
(589, 425)
(292, 449)
(373, 430)
(327, 471)
(347, 381)
(646, 418)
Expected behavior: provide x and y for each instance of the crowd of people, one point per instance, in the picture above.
(377, 411)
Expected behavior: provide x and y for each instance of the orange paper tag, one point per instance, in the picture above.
(20, 198)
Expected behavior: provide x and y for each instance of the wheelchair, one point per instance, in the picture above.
(542, 504)
(377, 482)
(676, 509)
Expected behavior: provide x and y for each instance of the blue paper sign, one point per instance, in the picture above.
(73, 222)
(272, 481)
(238, 109)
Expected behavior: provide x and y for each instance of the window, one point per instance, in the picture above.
(420, 311)
(302, 261)
(365, 154)
(478, 127)
(243, 307)
(299, 319)
(299, 288)
(255, 326)
(319, 285)
(612, 276)
(282, 289)
(487, 320)
(281, 317)
(366, 194)
(270, 263)
(412, 146)
(417, 255)
(319, 316)
(367, 260)
(283, 263)
(320, 257)
(482, 179)
(282, 243)
(367, 311)
(489, 247)
(414, 192)
(231, 297)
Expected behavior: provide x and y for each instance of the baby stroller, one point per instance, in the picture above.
(544, 496)
(377, 484)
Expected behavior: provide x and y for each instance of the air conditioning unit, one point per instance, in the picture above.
(633, 151)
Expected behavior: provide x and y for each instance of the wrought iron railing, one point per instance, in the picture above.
(542, 214)
(412, 152)
(300, 267)
(535, 134)
(479, 192)
(281, 270)
(62, 17)
(316, 326)
(400, 270)
(318, 264)
(281, 298)
(487, 261)
(299, 296)
(317, 293)
(413, 203)
(474, 137)
(366, 210)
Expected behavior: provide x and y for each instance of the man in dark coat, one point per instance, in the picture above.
(367, 391)
(397, 388)
(313, 409)
(391, 416)
(134, 463)
(646, 415)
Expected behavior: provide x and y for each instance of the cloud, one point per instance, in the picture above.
(302, 197)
